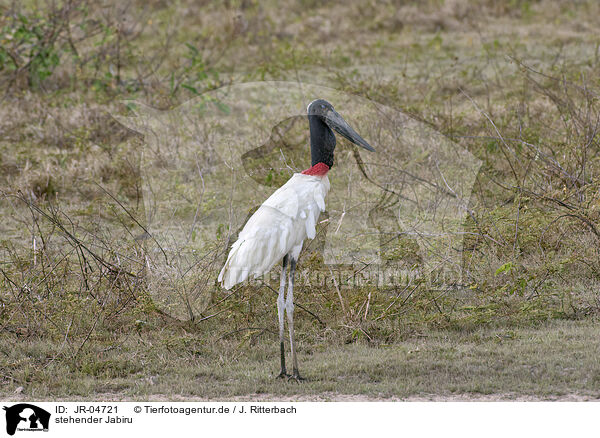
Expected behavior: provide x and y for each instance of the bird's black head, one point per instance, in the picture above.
(319, 107)
(322, 119)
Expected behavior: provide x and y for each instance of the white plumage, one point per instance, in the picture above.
(277, 228)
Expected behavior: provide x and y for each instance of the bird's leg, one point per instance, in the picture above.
(280, 313)
(289, 308)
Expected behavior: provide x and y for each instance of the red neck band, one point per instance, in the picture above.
(319, 169)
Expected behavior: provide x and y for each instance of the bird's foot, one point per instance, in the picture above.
(296, 376)
(283, 374)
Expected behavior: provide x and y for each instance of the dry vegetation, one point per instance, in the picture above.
(514, 82)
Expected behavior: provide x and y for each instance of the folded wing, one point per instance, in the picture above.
(281, 223)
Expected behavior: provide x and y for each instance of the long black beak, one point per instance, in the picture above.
(339, 125)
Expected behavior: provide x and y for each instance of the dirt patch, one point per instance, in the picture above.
(331, 397)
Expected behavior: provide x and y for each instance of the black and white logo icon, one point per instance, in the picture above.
(26, 417)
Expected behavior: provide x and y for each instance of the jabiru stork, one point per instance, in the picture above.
(277, 230)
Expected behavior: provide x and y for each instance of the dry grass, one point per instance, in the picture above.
(551, 360)
(514, 83)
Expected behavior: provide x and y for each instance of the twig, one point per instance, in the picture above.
(337, 288)
(134, 219)
(300, 306)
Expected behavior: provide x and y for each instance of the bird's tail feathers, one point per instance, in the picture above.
(226, 277)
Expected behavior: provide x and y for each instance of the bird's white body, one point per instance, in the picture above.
(277, 230)
(278, 227)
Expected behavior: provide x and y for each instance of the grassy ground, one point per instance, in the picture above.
(515, 83)
(546, 361)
